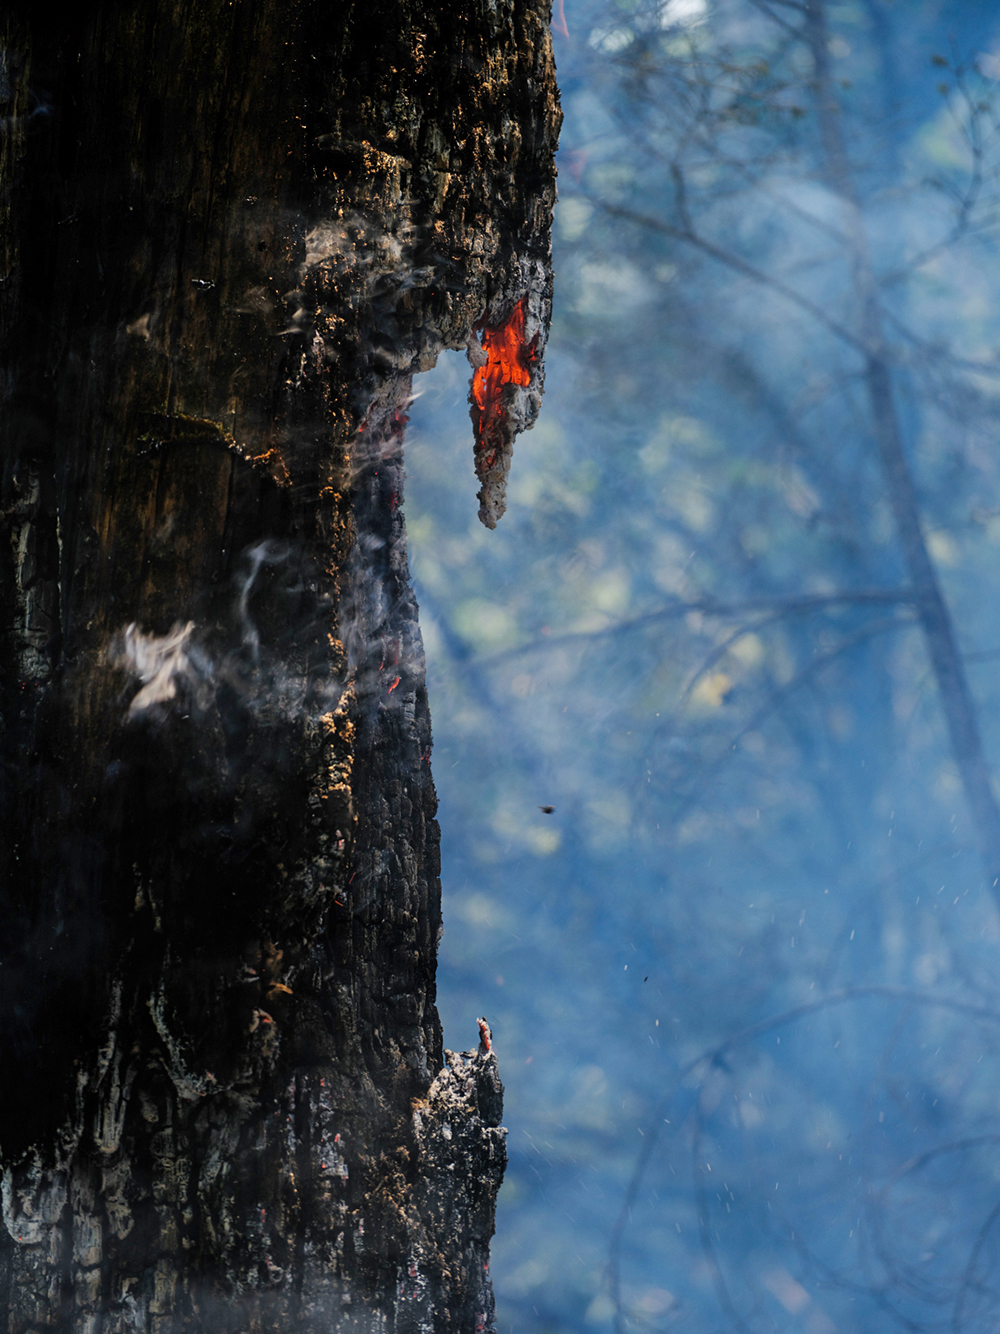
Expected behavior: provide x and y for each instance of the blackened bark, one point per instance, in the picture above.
(229, 235)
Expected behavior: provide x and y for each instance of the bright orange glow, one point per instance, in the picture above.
(509, 360)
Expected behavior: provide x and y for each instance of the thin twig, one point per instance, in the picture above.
(713, 1056)
(800, 678)
(970, 1268)
(708, 607)
(738, 265)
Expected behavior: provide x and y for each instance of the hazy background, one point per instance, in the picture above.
(758, 820)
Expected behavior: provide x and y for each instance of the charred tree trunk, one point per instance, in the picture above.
(229, 235)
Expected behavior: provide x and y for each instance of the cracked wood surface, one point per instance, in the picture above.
(229, 236)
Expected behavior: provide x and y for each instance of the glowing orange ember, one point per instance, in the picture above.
(509, 360)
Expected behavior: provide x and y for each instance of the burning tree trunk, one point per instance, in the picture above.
(229, 235)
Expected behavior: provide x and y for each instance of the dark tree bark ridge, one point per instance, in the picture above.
(229, 236)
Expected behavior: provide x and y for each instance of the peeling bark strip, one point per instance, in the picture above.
(229, 236)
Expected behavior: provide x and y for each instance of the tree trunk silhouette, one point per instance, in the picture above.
(935, 618)
(230, 233)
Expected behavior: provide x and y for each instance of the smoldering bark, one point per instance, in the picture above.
(229, 236)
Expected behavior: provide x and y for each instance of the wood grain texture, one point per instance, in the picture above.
(230, 233)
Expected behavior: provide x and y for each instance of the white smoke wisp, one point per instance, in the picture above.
(253, 655)
(159, 661)
(263, 553)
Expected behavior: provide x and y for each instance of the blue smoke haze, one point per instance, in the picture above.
(744, 979)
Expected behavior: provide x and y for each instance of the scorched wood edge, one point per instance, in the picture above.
(230, 233)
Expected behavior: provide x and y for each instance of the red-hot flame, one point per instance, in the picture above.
(509, 360)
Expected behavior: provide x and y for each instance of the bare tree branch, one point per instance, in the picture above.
(738, 265)
(956, 698)
(778, 697)
(712, 1057)
(970, 1268)
(707, 606)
